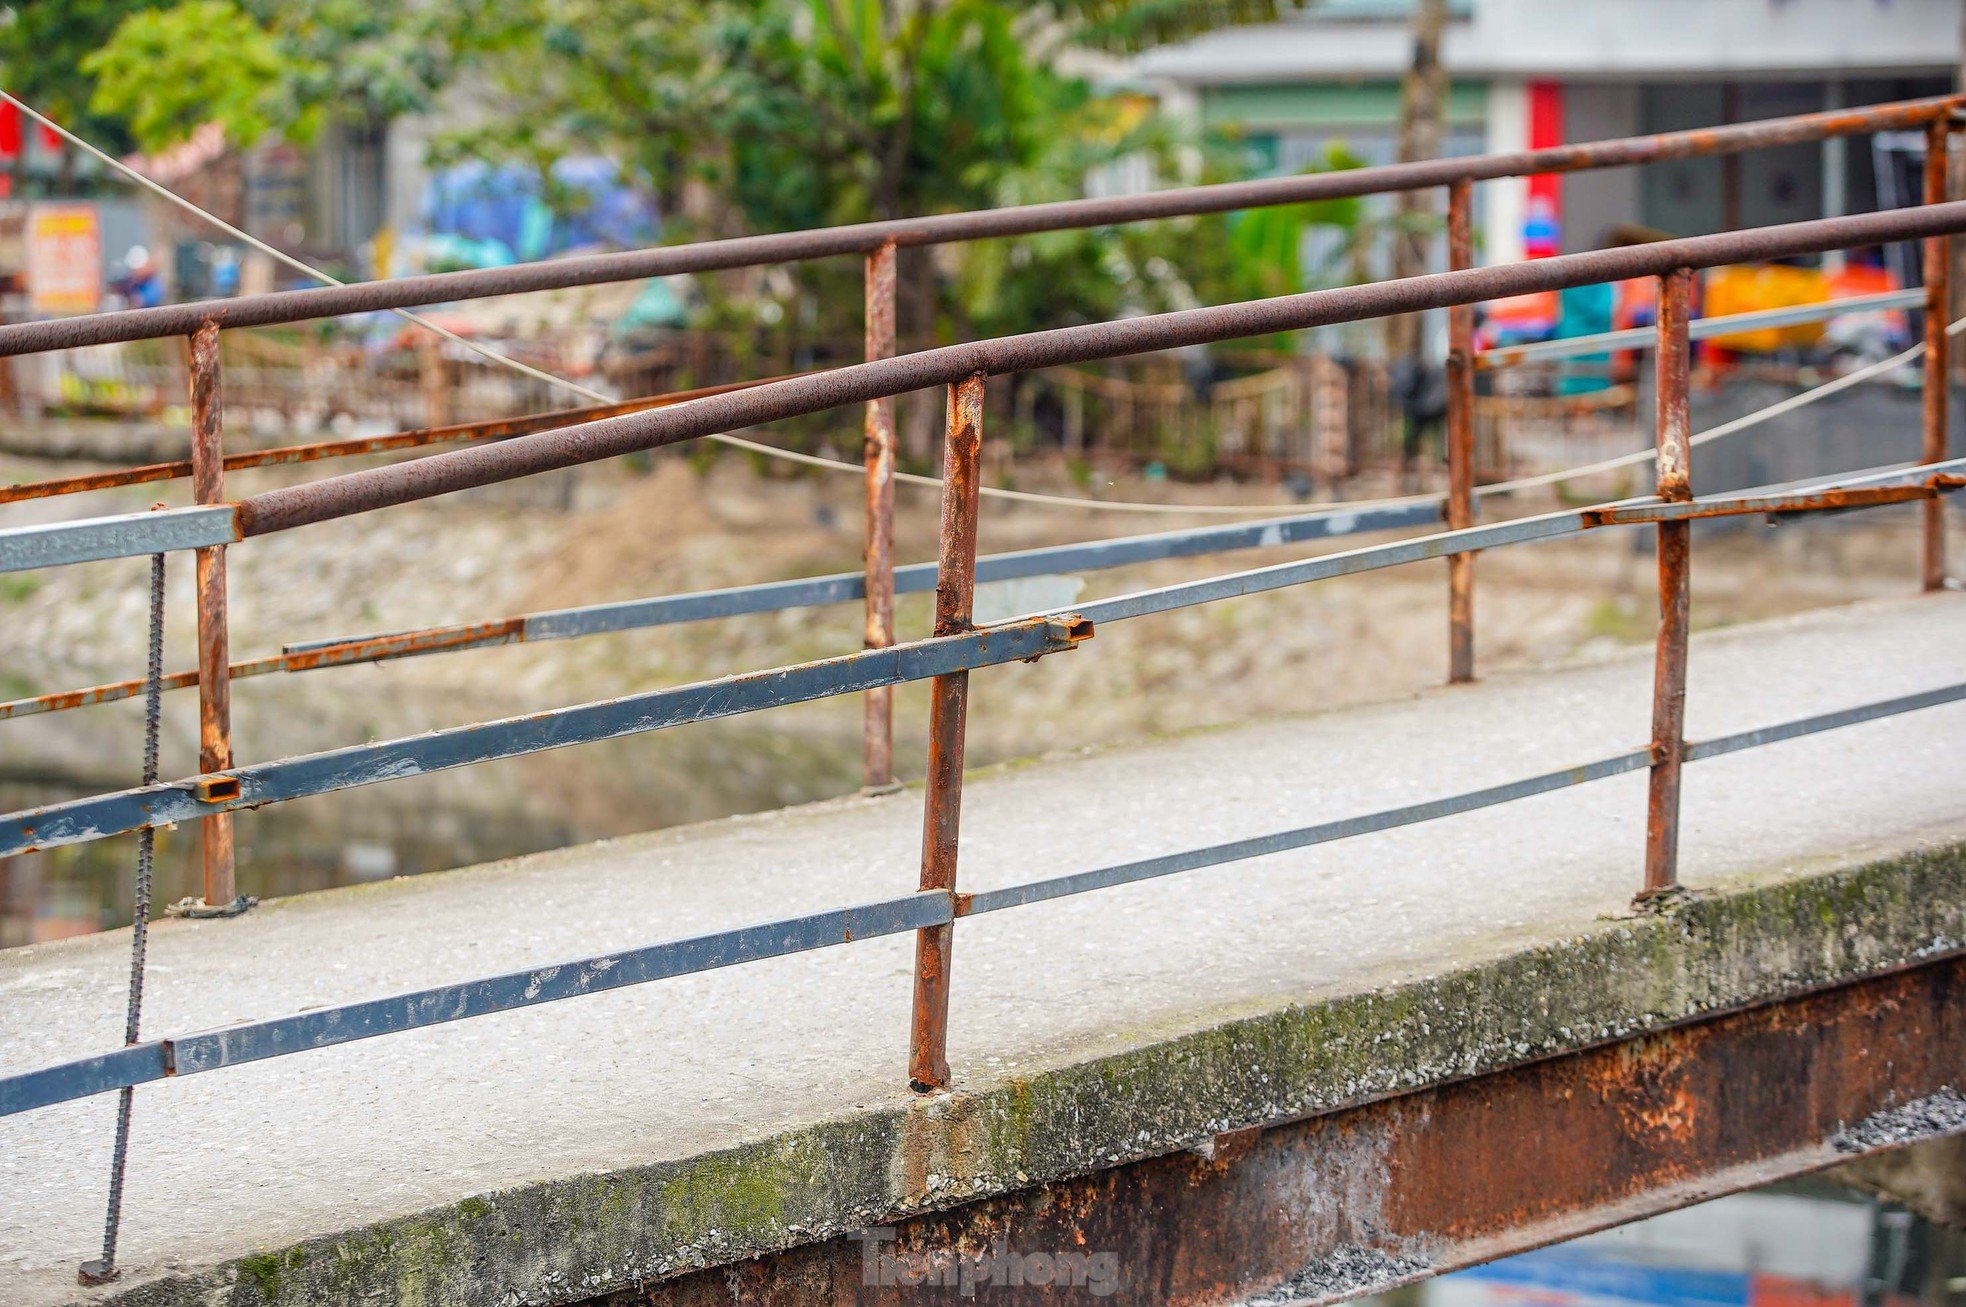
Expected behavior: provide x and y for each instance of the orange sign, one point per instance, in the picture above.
(64, 258)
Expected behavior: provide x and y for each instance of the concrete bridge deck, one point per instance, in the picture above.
(571, 1149)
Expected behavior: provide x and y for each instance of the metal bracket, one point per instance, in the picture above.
(216, 789)
(1065, 632)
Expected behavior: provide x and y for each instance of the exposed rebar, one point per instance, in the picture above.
(103, 1271)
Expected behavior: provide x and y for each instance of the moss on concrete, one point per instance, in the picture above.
(569, 1239)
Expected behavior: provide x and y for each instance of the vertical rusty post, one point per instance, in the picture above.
(955, 587)
(1675, 557)
(214, 687)
(877, 723)
(1938, 308)
(1460, 439)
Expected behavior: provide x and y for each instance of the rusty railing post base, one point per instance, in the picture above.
(1937, 384)
(1675, 557)
(1460, 507)
(955, 591)
(877, 444)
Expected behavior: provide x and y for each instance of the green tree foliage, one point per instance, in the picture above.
(165, 71)
(42, 46)
(772, 115)
(762, 115)
(260, 67)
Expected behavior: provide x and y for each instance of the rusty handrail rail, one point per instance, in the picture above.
(351, 493)
(360, 446)
(948, 228)
(440, 474)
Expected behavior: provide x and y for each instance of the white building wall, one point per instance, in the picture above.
(1591, 39)
(1503, 204)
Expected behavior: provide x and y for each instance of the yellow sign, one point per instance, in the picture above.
(64, 258)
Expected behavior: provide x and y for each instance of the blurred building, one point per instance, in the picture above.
(1529, 73)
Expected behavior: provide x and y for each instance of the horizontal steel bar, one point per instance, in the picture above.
(97, 816)
(327, 653)
(492, 429)
(1922, 482)
(1523, 530)
(137, 1064)
(919, 578)
(1186, 594)
(462, 469)
(1023, 220)
(88, 539)
(1128, 873)
(1542, 351)
(1828, 721)
(774, 596)
(254, 1041)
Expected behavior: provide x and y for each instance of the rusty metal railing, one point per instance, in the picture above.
(957, 646)
(877, 243)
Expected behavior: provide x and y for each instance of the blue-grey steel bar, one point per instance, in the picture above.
(97, 816)
(1828, 721)
(1129, 873)
(126, 535)
(919, 578)
(324, 1027)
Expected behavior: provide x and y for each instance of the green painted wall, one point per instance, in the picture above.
(1270, 106)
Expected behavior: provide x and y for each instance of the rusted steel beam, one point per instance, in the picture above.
(214, 686)
(1675, 558)
(463, 469)
(1405, 1188)
(955, 589)
(1024, 220)
(474, 635)
(877, 721)
(1460, 439)
(494, 429)
(1832, 500)
(1938, 372)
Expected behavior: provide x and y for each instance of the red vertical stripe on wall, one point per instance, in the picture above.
(9, 132)
(1546, 129)
(50, 139)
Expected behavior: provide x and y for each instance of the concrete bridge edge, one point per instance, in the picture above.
(584, 1237)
